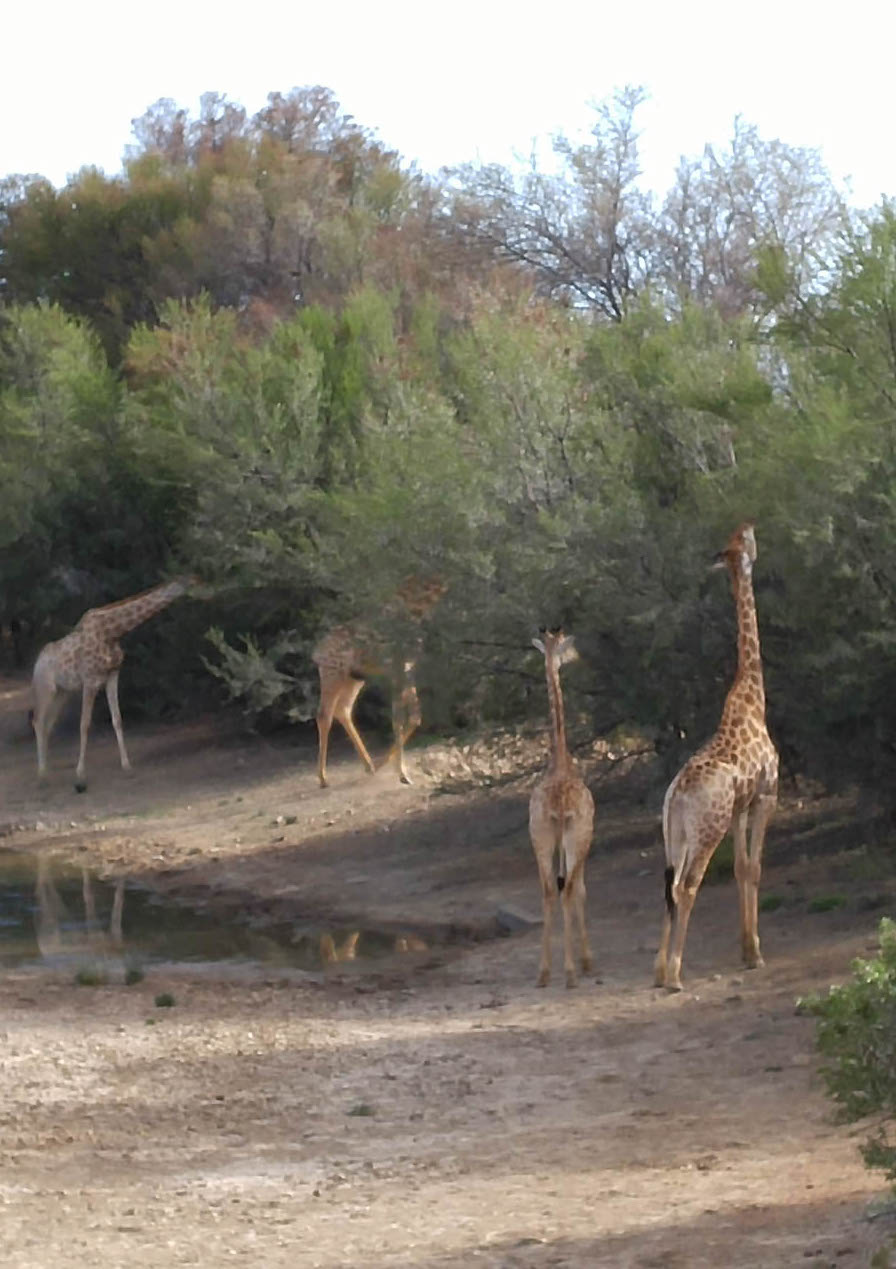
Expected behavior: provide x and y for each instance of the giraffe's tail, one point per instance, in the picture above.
(675, 843)
(559, 862)
(670, 892)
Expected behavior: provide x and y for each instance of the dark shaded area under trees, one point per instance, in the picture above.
(271, 353)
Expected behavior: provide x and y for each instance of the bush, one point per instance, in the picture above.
(856, 1036)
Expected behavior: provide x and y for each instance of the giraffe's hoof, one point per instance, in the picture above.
(570, 981)
(673, 986)
(587, 964)
(753, 961)
(80, 786)
(543, 979)
(405, 778)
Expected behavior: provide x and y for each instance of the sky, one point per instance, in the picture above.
(449, 83)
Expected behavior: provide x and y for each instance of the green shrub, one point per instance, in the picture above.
(856, 1036)
(826, 903)
(91, 976)
(721, 866)
(770, 902)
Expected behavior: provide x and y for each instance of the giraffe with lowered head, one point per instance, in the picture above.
(89, 658)
(732, 782)
(561, 822)
(347, 655)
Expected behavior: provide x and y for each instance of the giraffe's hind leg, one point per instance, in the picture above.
(48, 702)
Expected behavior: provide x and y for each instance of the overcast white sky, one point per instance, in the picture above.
(455, 81)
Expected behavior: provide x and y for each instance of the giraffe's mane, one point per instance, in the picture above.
(143, 594)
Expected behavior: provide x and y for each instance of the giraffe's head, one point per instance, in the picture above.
(556, 647)
(194, 585)
(739, 553)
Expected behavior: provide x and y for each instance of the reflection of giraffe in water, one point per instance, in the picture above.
(331, 954)
(52, 940)
(347, 655)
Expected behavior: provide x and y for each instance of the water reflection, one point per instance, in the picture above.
(60, 936)
(65, 915)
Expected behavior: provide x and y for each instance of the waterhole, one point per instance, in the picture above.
(56, 913)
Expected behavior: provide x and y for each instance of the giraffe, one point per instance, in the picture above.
(732, 782)
(346, 655)
(561, 822)
(90, 658)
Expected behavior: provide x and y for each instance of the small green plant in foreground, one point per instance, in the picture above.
(133, 975)
(770, 902)
(90, 976)
(164, 1000)
(721, 866)
(856, 1037)
(826, 903)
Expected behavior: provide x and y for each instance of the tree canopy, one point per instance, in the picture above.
(271, 353)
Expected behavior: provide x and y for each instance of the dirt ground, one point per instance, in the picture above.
(432, 1108)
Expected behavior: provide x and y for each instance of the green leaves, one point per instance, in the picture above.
(856, 1037)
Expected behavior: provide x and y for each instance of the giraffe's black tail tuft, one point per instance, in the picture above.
(670, 898)
(558, 864)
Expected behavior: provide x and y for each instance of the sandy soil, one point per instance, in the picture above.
(433, 1108)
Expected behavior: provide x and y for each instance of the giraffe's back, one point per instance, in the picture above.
(346, 652)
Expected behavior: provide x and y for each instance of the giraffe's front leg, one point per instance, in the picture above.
(115, 712)
(406, 718)
(762, 813)
(88, 696)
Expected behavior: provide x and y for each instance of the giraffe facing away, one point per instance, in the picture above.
(561, 823)
(88, 659)
(732, 782)
(346, 656)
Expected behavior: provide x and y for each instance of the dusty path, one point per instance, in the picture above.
(437, 1110)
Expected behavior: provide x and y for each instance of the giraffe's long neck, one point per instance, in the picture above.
(559, 751)
(118, 618)
(749, 659)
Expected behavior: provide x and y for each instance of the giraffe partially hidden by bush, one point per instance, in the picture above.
(347, 655)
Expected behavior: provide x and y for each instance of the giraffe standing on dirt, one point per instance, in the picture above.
(561, 822)
(732, 782)
(89, 659)
(347, 655)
